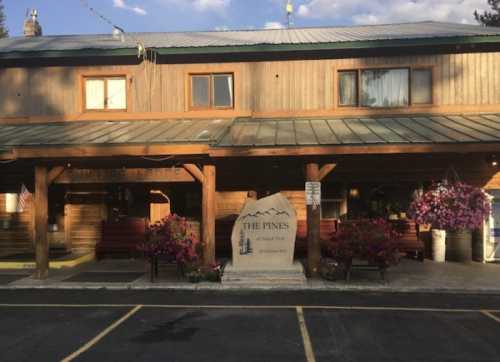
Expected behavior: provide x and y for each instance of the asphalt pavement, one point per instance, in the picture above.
(84, 325)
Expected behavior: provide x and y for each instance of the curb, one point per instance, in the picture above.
(254, 288)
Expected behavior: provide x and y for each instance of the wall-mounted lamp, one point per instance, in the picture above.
(354, 193)
(492, 160)
(11, 201)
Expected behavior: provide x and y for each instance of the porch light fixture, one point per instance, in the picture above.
(11, 201)
(354, 193)
(492, 160)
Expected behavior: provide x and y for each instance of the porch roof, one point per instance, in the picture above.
(427, 129)
(205, 131)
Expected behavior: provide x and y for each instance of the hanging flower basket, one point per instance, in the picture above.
(455, 207)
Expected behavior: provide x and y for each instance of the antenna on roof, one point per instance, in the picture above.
(289, 13)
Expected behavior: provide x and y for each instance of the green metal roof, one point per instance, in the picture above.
(251, 132)
(443, 129)
(251, 41)
(113, 133)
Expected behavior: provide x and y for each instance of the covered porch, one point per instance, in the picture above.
(102, 172)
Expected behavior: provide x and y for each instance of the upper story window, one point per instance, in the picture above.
(212, 91)
(385, 88)
(105, 93)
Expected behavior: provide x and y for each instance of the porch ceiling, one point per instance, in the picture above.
(426, 129)
(205, 131)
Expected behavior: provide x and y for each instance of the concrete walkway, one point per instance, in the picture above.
(408, 276)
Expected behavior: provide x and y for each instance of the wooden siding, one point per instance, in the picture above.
(493, 182)
(19, 238)
(229, 203)
(269, 88)
(83, 225)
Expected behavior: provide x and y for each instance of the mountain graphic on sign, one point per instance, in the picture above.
(270, 212)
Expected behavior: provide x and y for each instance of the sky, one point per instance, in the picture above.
(72, 17)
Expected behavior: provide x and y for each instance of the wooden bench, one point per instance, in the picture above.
(409, 241)
(121, 237)
(327, 228)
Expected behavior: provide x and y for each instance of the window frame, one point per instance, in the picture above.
(211, 91)
(105, 78)
(423, 67)
(359, 86)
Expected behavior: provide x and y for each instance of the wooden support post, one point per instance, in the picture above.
(54, 173)
(194, 171)
(208, 214)
(313, 225)
(41, 220)
(325, 170)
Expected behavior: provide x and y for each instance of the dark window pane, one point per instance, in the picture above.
(421, 86)
(223, 90)
(200, 93)
(330, 209)
(384, 88)
(348, 88)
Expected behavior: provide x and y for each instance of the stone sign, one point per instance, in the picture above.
(264, 234)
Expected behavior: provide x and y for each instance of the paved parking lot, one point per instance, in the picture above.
(111, 326)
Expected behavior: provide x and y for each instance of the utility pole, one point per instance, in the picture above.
(289, 13)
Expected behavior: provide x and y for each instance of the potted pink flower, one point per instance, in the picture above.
(372, 241)
(172, 240)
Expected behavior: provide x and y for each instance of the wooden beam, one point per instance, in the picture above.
(7, 155)
(109, 151)
(353, 150)
(54, 173)
(128, 175)
(325, 170)
(313, 225)
(126, 116)
(224, 113)
(41, 220)
(208, 214)
(194, 171)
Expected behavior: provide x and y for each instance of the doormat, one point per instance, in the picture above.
(9, 278)
(104, 277)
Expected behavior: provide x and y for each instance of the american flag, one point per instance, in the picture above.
(23, 197)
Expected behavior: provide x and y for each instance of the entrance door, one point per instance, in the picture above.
(159, 206)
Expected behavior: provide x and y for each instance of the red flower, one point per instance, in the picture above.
(371, 240)
(171, 238)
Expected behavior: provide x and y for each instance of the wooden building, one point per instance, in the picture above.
(107, 128)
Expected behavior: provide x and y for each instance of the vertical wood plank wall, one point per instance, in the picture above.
(271, 86)
(84, 225)
(494, 182)
(19, 238)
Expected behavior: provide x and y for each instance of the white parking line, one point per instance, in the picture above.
(491, 315)
(308, 348)
(222, 306)
(101, 335)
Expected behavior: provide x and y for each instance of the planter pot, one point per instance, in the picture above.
(438, 245)
(459, 246)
